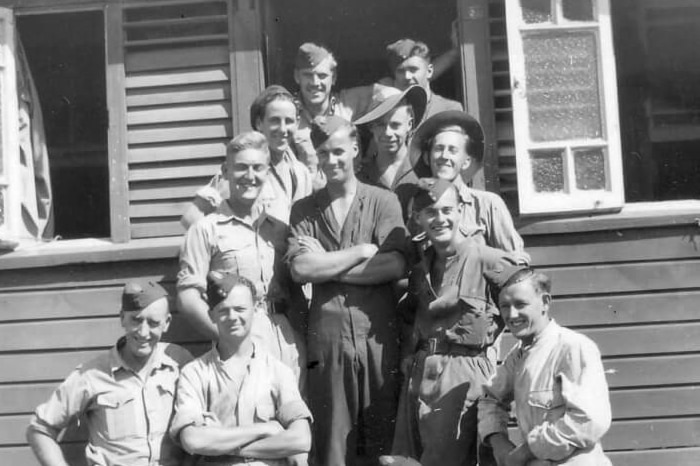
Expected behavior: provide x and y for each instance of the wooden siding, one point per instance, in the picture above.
(632, 291)
(178, 107)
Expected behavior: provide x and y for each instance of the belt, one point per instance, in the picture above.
(442, 346)
(228, 459)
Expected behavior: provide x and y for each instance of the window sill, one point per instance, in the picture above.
(90, 250)
(634, 215)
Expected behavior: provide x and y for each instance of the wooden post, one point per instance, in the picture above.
(477, 82)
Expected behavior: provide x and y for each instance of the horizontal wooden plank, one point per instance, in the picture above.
(642, 339)
(655, 402)
(624, 278)
(155, 229)
(656, 433)
(175, 152)
(627, 309)
(652, 370)
(170, 189)
(12, 430)
(149, 173)
(179, 40)
(183, 132)
(177, 95)
(178, 113)
(88, 275)
(23, 456)
(180, 57)
(39, 304)
(77, 334)
(671, 242)
(212, 74)
(24, 398)
(158, 209)
(665, 457)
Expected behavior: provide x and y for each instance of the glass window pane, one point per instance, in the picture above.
(548, 171)
(562, 85)
(536, 11)
(577, 10)
(589, 166)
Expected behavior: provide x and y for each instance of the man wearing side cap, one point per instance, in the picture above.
(454, 324)
(450, 146)
(274, 114)
(125, 395)
(348, 240)
(555, 377)
(237, 403)
(391, 120)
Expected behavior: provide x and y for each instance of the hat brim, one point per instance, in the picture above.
(414, 95)
(430, 127)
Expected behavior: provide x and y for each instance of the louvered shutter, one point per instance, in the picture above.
(179, 116)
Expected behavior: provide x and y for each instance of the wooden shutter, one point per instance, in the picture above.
(563, 93)
(178, 107)
(9, 127)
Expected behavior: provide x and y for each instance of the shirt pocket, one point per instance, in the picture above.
(160, 419)
(548, 404)
(235, 252)
(117, 414)
(264, 411)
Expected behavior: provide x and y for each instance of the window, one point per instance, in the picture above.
(139, 101)
(9, 123)
(566, 132)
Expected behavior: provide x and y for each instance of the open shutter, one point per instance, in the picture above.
(9, 127)
(563, 92)
(179, 106)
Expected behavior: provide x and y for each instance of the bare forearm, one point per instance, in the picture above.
(196, 311)
(444, 62)
(215, 441)
(293, 441)
(381, 268)
(46, 449)
(319, 267)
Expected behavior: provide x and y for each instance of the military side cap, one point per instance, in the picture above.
(402, 49)
(310, 55)
(504, 275)
(324, 126)
(138, 295)
(270, 93)
(386, 98)
(219, 285)
(428, 191)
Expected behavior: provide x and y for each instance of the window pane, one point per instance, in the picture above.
(562, 86)
(577, 10)
(536, 11)
(589, 166)
(548, 171)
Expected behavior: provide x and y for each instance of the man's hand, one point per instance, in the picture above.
(302, 459)
(501, 446)
(407, 365)
(310, 244)
(520, 456)
(368, 250)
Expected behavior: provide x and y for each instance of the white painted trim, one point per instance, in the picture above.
(9, 112)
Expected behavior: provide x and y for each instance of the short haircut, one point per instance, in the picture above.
(247, 140)
(271, 94)
(232, 281)
(541, 282)
(420, 49)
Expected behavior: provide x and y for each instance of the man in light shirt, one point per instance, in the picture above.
(554, 375)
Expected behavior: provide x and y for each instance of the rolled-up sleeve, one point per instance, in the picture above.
(66, 403)
(298, 226)
(494, 406)
(195, 256)
(587, 416)
(390, 232)
(290, 405)
(190, 405)
(501, 232)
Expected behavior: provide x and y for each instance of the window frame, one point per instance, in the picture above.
(9, 125)
(532, 203)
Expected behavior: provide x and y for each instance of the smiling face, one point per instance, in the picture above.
(414, 70)
(524, 309)
(440, 220)
(143, 329)
(390, 132)
(448, 155)
(316, 83)
(278, 124)
(234, 315)
(336, 156)
(247, 171)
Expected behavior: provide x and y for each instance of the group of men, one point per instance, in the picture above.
(354, 298)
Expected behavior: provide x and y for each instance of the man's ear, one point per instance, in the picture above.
(297, 76)
(431, 69)
(334, 78)
(546, 301)
(168, 320)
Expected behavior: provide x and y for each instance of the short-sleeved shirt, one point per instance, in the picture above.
(374, 217)
(223, 242)
(233, 393)
(127, 417)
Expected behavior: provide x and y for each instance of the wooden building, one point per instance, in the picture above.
(601, 170)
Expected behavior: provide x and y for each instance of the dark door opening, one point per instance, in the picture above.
(66, 57)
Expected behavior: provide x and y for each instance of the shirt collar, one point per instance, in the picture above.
(224, 214)
(159, 358)
(464, 191)
(549, 332)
